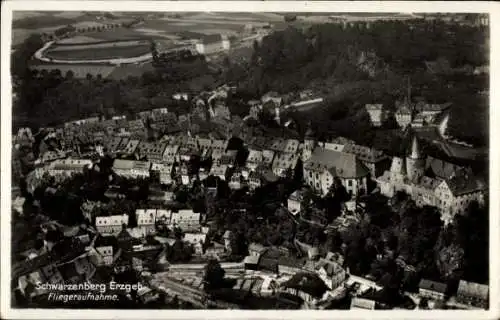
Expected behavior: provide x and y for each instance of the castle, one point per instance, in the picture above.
(432, 182)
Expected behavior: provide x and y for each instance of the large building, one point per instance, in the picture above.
(324, 165)
(375, 160)
(111, 224)
(377, 114)
(432, 182)
(404, 113)
(213, 43)
(132, 169)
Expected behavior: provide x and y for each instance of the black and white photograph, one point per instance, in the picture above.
(247, 160)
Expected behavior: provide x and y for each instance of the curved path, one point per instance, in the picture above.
(39, 54)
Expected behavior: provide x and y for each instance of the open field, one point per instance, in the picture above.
(98, 45)
(40, 20)
(99, 53)
(119, 34)
(78, 40)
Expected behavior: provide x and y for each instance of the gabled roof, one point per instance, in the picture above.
(346, 165)
(365, 153)
(361, 303)
(377, 106)
(441, 168)
(433, 286)
(473, 290)
(462, 184)
(309, 283)
(330, 267)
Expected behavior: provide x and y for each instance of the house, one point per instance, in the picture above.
(337, 144)
(376, 161)
(283, 163)
(284, 145)
(267, 157)
(163, 217)
(307, 286)
(137, 129)
(146, 220)
(272, 96)
(111, 224)
(164, 171)
(197, 240)
(186, 219)
(294, 202)
(170, 153)
(212, 43)
(220, 171)
(362, 304)
(377, 114)
(331, 273)
(429, 112)
(404, 113)
(256, 249)
(254, 180)
(455, 194)
(112, 144)
(68, 167)
(473, 294)
(254, 159)
(180, 96)
(216, 250)
(432, 290)
(131, 168)
(228, 158)
(153, 151)
(251, 262)
(131, 146)
(325, 165)
(147, 295)
(236, 181)
(104, 256)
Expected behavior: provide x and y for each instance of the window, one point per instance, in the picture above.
(349, 183)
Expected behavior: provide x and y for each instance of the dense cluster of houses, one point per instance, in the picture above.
(168, 160)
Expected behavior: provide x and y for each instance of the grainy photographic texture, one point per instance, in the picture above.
(250, 160)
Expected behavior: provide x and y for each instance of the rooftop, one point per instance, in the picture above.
(433, 286)
(473, 289)
(343, 164)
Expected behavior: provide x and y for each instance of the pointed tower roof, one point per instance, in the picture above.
(415, 149)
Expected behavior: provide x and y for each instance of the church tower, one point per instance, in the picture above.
(415, 162)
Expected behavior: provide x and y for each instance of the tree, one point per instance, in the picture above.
(213, 275)
(70, 75)
(450, 261)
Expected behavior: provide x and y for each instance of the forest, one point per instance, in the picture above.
(323, 57)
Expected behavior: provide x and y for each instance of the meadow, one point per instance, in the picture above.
(99, 53)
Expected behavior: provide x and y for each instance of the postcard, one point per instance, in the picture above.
(249, 159)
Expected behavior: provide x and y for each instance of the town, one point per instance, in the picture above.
(206, 208)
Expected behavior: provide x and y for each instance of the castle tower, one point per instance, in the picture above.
(398, 170)
(415, 162)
